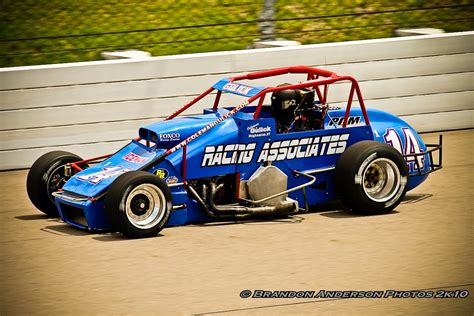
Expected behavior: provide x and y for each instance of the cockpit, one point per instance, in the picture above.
(296, 110)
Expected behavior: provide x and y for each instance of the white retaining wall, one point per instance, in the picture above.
(93, 108)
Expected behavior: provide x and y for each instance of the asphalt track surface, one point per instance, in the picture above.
(47, 267)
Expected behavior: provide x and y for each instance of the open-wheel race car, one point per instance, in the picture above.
(257, 159)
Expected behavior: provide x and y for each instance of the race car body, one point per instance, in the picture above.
(246, 161)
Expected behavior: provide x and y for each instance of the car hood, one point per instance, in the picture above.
(167, 134)
(97, 178)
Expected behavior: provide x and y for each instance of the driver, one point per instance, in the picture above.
(294, 110)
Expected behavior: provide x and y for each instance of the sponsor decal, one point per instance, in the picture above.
(172, 180)
(288, 103)
(132, 157)
(228, 154)
(303, 148)
(237, 88)
(105, 173)
(169, 137)
(161, 173)
(258, 131)
(352, 120)
(208, 127)
(275, 151)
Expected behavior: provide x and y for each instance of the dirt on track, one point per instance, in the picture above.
(47, 267)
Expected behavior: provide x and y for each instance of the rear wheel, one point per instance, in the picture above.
(47, 175)
(371, 177)
(138, 204)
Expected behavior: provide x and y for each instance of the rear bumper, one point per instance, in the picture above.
(431, 166)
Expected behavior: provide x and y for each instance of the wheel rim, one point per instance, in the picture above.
(55, 181)
(145, 206)
(381, 180)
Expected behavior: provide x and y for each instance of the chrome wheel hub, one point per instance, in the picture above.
(381, 180)
(145, 206)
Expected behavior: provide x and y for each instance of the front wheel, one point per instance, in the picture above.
(46, 176)
(138, 204)
(371, 178)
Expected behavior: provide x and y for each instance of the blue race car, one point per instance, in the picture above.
(251, 160)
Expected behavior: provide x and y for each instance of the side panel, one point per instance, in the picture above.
(258, 143)
(214, 141)
(312, 150)
(392, 130)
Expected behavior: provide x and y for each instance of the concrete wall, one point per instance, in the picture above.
(93, 108)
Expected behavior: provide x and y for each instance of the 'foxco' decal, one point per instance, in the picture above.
(274, 151)
(169, 137)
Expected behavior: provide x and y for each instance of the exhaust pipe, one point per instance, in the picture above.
(232, 211)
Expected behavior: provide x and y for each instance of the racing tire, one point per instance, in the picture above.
(46, 176)
(371, 178)
(138, 204)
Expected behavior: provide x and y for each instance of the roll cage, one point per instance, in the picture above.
(315, 78)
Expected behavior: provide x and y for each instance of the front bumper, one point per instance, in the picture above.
(81, 212)
(89, 214)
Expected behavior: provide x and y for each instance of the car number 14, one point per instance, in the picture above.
(407, 146)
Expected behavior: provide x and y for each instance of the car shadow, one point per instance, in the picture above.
(104, 236)
(32, 217)
(291, 219)
(349, 214)
(110, 236)
(333, 209)
(415, 198)
(336, 209)
(65, 229)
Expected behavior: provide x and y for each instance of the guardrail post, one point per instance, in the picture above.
(267, 27)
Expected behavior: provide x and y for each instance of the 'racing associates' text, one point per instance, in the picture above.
(275, 151)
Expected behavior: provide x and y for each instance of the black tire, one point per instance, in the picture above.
(371, 178)
(46, 176)
(130, 204)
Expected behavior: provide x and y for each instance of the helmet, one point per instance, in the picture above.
(285, 102)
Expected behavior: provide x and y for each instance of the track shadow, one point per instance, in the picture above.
(255, 221)
(65, 229)
(107, 237)
(32, 217)
(276, 221)
(333, 209)
(415, 198)
(349, 214)
(337, 210)
(339, 214)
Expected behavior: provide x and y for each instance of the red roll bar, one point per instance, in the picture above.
(286, 70)
(329, 77)
(313, 80)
